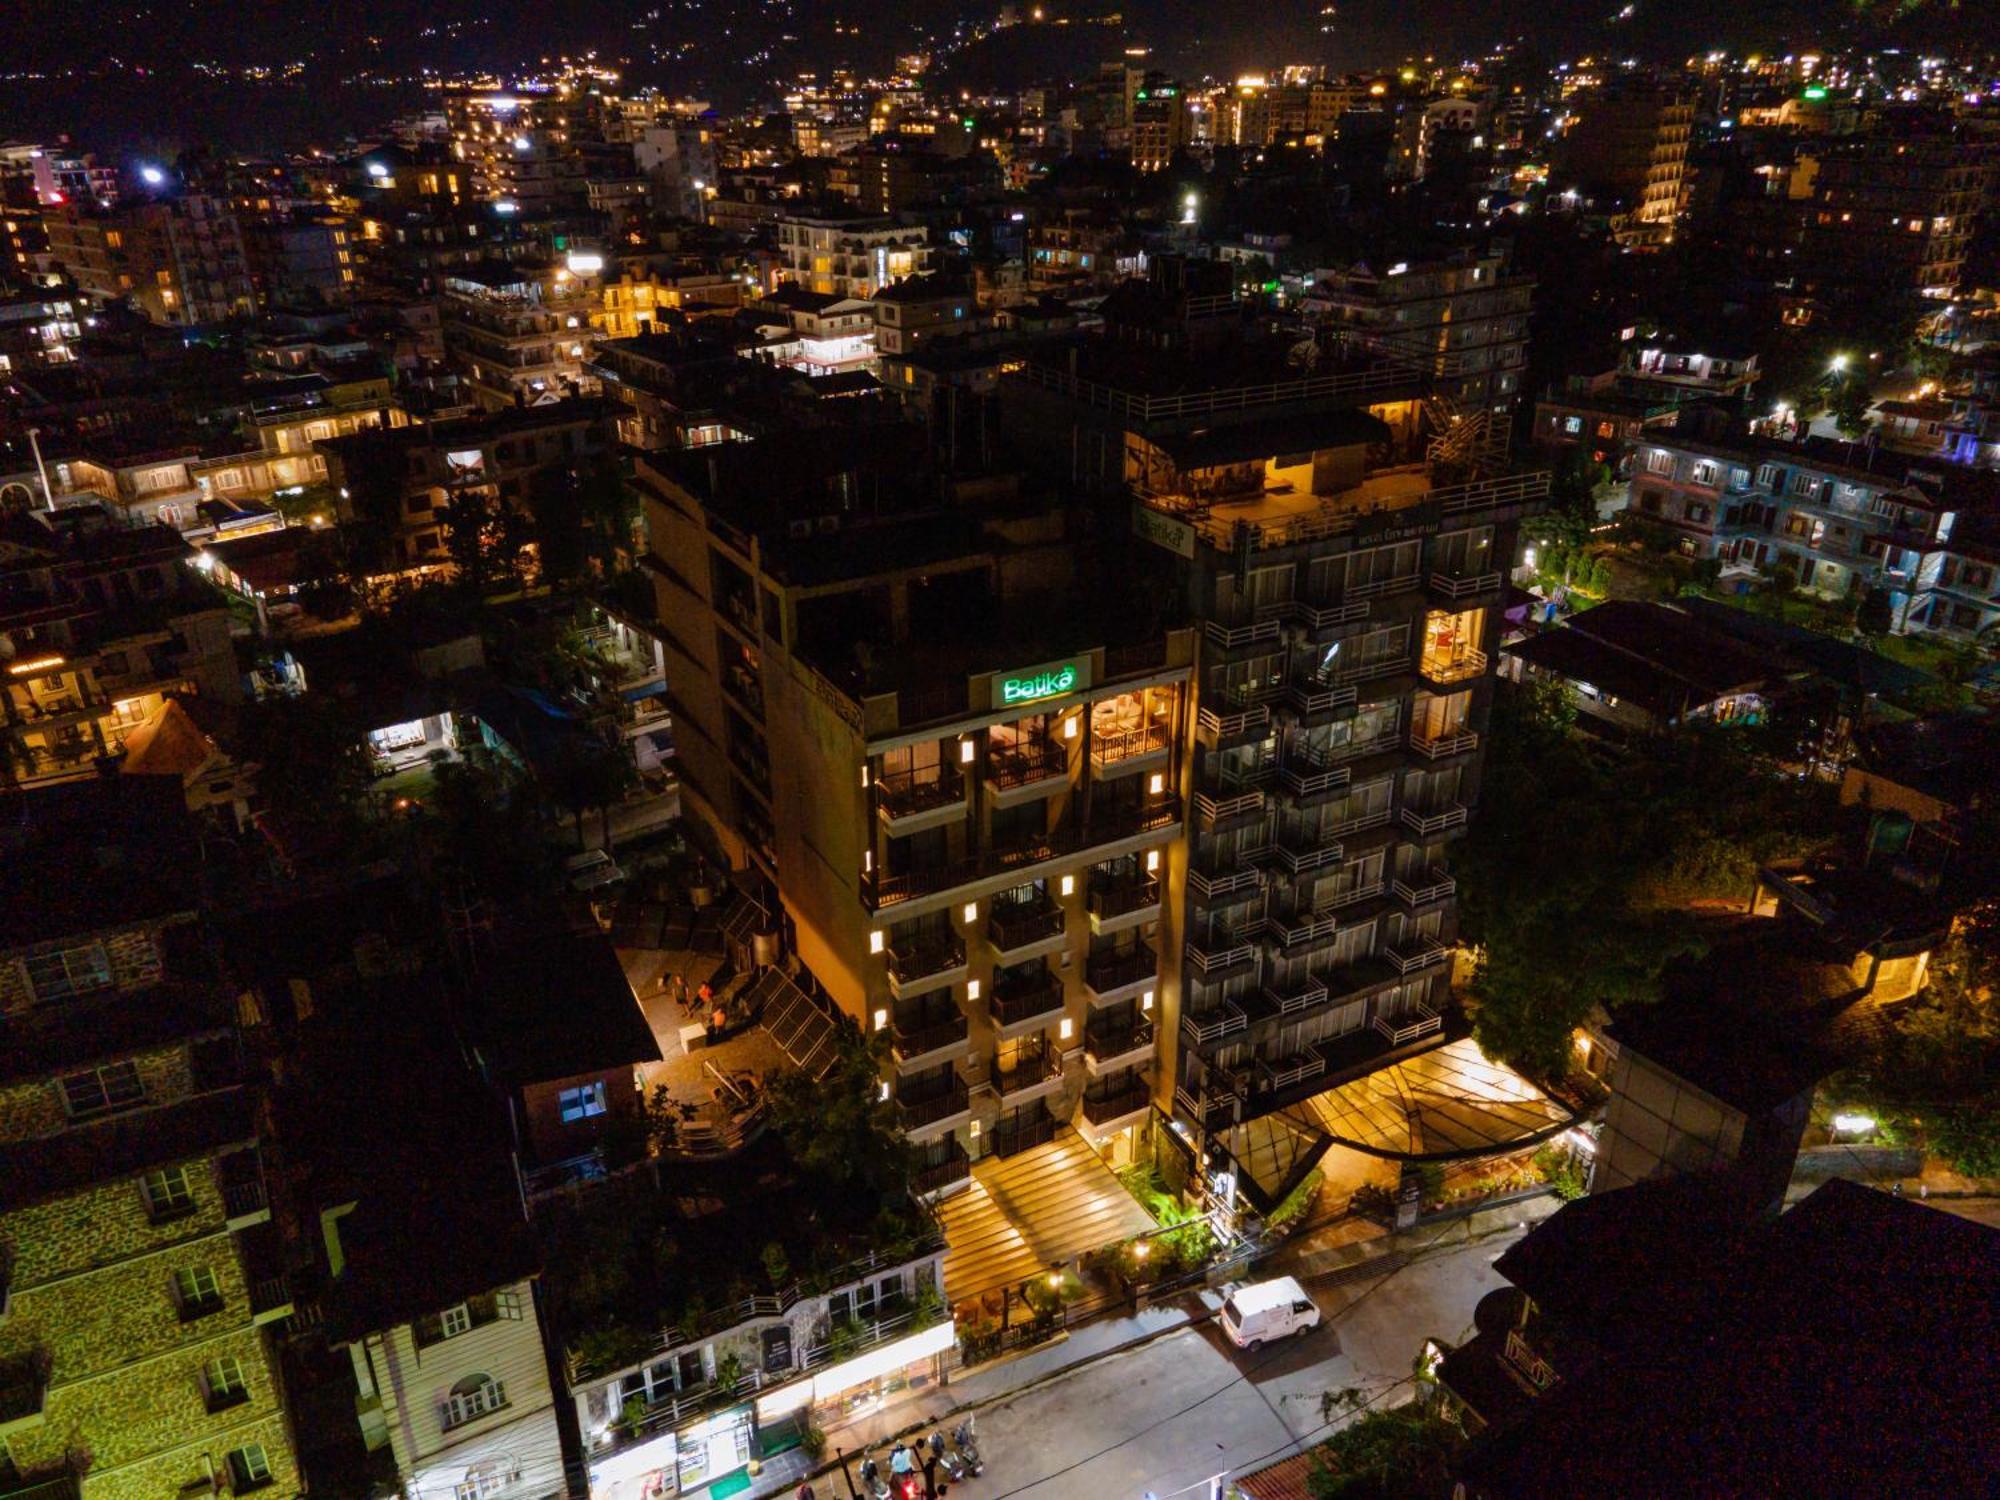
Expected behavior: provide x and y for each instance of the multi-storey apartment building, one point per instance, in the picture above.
(521, 144)
(954, 749)
(1844, 517)
(177, 260)
(850, 256)
(1465, 316)
(1349, 607)
(1893, 212)
(1631, 143)
(98, 623)
(519, 335)
(140, 1275)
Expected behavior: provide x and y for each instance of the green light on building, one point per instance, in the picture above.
(1031, 689)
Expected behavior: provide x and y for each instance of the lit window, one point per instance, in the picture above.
(249, 1469)
(222, 1383)
(169, 1193)
(196, 1291)
(582, 1103)
(473, 1397)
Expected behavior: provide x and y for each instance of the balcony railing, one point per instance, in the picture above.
(1448, 669)
(1456, 585)
(1312, 924)
(1106, 972)
(1110, 747)
(905, 794)
(1424, 823)
(1403, 1030)
(1307, 849)
(1438, 746)
(1030, 1068)
(912, 964)
(1106, 1041)
(1424, 887)
(1021, 1000)
(1313, 776)
(1016, 925)
(1313, 697)
(1222, 947)
(1208, 882)
(1361, 822)
(956, 1167)
(1407, 958)
(1233, 723)
(1029, 762)
(920, 1038)
(1099, 1109)
(1215, 810)
(1120, 898)
(1301, 995)
(917, 1113)
(1109, 827)
(1214, 1024)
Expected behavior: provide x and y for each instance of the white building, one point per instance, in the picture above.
(850, 257)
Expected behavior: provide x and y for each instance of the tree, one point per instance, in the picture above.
(1876, 616)
(586, 774)
(1563, 531)
(839, 1129)
(1848, 403)
(481, 536)
(374, 484)
(1392, 1453)
(312, 767)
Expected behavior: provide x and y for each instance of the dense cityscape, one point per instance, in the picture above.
(1006, 751)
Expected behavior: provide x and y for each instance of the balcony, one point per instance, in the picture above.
(1021, 1001)
(1033, 768)
(1116, 904)
(1210, 881)
(24, 1390)
(241, 1177)
(1034, 1068)
(1222, 950)
(926, 965)
(1210, 1111)
(1101, 1109)
(921, 1042)
(1443, 746)
(1112, 976)
(1428, 824)
(1243, 625)
(1233, 723)
(1294, 999)
(1216, 812)
(1215, 1023)
(1409, 957)
(936, 1177)
(1120, 752)
(1460, 586)
(1317, 619)
(935, 1112)
(1017, 862)
(1298, 928)
(1315, 700)
(270, 1299)
(1444, 671)
(1111, 1043)
(1311, 779)
(1423, 887)
(1015, 928)
(1401, 1031)
(1362, 822)
(909, 801)
(1305, 850)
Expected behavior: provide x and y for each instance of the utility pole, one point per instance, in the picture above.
(41, 469)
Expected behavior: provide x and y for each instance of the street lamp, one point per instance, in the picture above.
(1838, 365)
(152, 176)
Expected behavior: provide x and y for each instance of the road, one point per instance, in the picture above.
(1171, 1413)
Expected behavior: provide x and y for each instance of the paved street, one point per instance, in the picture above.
(1177, 1410)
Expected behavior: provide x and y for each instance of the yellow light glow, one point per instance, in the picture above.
(1068, 885)
(971, 911)
(875, 941)
(972, 989)
(881, 1018)
(1066, 1028)
(1146, 1000)
(1158, 784)
(38, 664)
(1152, 860)
(966, 750)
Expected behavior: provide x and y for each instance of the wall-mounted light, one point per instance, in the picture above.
(966, 749)
(1069, 885)
(881, 1018)
(1152, 860)
(1158, 783)
(1069, 727)
(1146, 1001)
(864, 778)
(885, 1091)
(875, 941)
(1063, 1031)
(972, 989)
(972, 1130)
(970, 912)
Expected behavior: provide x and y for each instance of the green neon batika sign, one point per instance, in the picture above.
(1040, 685)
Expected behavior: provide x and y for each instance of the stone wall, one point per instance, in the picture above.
(134, 953)
(102, 1224)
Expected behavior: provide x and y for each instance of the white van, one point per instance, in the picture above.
(1256, 1313)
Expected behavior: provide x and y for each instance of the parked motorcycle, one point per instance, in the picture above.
(950, 1464)
(968, 1448)
(873, 1485)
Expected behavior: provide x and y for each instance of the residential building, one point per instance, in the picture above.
(1844, 517)
(1634, 1348)
(1349, 609)
(679, 156)
(921, 309)
(1465, 316)
(1891, 212)
(850, 256)
(1629, 145)
(144, 1279)
(819, 333)
(98, 624)
(178, 261)
(964, 793)
(522, 145)
(37, 328)
(303, 258)
(669, 389)
(519, 335)
(499, 453)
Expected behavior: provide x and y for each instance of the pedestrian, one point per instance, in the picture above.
(930, 1472)
(805, 1492)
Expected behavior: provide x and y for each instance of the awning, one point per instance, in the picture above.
(1028, 1212)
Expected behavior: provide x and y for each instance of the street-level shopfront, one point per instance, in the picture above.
(723, 1442)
